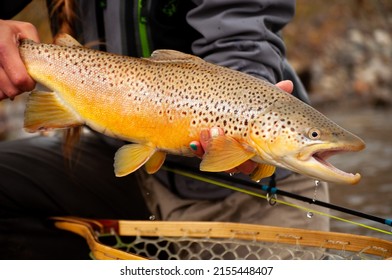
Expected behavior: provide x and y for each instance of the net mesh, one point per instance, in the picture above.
(191, 248)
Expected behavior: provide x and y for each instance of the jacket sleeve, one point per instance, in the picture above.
(9, 9)
(242, 34)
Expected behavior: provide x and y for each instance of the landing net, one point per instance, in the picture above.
(113, 239)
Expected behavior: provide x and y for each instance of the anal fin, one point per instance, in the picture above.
(44, 110)
(131, 157)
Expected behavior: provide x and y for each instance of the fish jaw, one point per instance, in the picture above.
(312, 161)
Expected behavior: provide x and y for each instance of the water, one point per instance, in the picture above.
(316, 184)
(373, 195)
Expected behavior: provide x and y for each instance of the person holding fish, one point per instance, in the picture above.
(37, 182)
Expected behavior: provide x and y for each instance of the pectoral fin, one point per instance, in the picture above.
(131, 157)
(44, 110)
(224, 153)
(155, 162)
(262, 171)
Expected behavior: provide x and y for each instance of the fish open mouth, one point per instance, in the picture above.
(322, 156)
(313, 161)
(335, 174)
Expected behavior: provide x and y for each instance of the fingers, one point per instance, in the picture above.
(14, 78)
(286, 85)
(246, 168)
(206, 135)
(199, 147)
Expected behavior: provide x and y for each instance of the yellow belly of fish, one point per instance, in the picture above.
(168, 133)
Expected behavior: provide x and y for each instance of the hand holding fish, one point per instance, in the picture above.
(206, 135)
(14, 78)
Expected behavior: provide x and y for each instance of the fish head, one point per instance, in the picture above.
(295, 136)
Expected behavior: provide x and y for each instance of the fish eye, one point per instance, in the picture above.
(314, 134)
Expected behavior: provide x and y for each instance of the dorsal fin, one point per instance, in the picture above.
(172, 55)
(64, 39)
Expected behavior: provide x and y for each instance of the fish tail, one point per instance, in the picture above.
(44, 110)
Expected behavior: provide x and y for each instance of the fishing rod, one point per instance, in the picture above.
(270, 189)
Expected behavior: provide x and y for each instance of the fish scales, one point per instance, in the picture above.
(162, 103)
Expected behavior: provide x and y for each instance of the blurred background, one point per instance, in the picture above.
(342, 51)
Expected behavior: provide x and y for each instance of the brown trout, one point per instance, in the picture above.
(161, 103)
